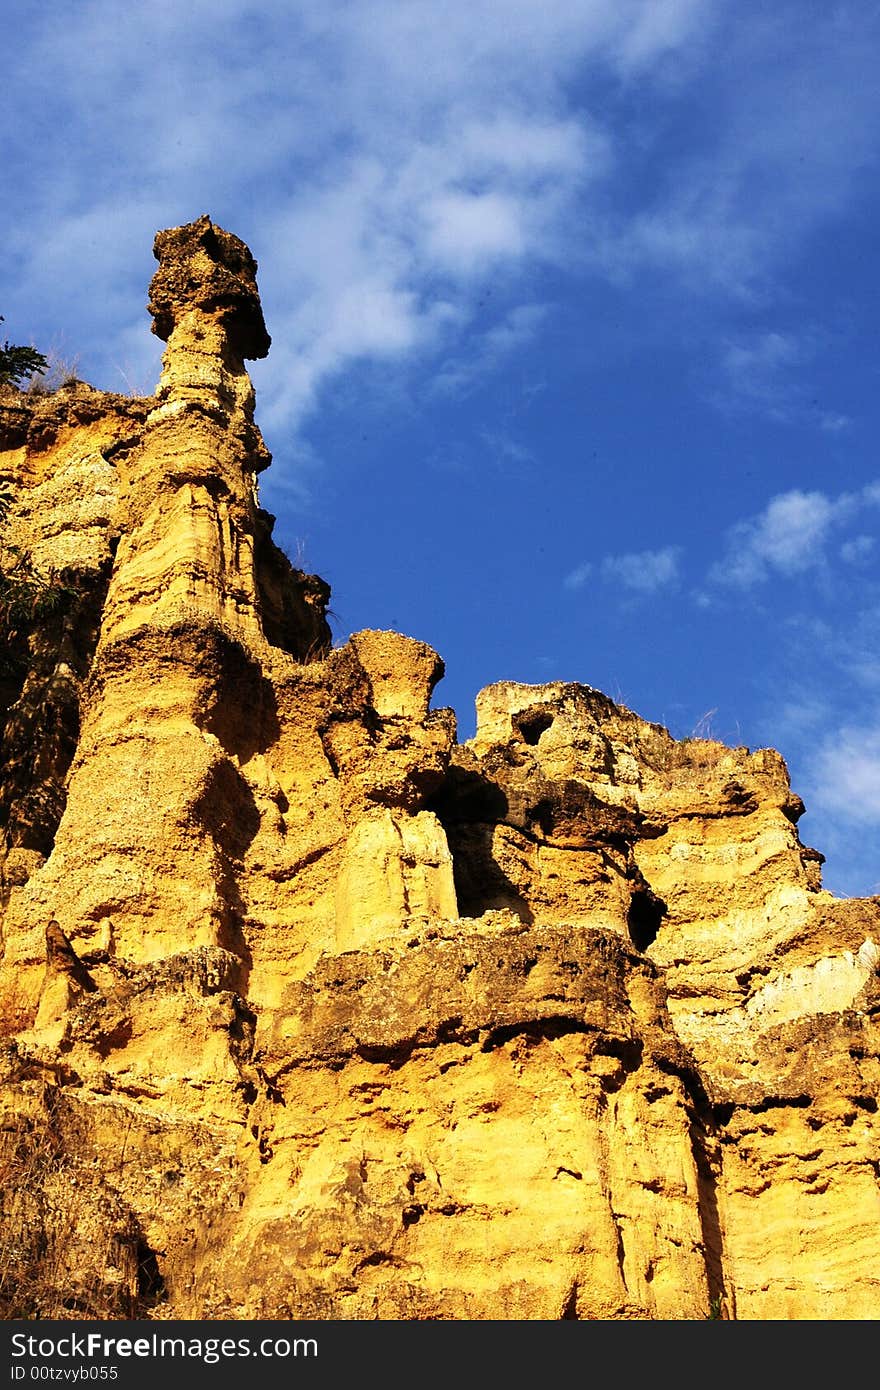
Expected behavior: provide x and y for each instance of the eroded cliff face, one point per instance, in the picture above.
(310, 1011)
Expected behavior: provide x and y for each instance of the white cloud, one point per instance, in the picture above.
(748, 362)
(577, 578)
(509, 454)
(639, 572)
(790, 533)
(517, 327)
(755, 372)
(871, 494)
(858, 551)
(384, 158)
(467, 232)
(844, 645)
(381, 157)
(644, 571)
(801, 716)
(767, 373)
(791, 536)
(834, 423)
(458, 375)
(660, 28)
(780, 152)
(846, 774)
(550, 149)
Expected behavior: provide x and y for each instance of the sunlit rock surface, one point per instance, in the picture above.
(310, 1011)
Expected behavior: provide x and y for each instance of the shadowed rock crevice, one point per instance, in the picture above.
(47, 660)
(240, 708)
(481, 884)
(293, 605)
(707, 1157)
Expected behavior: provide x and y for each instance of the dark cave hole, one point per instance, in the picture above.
(151, 1284)
(532, 724)
(644, 917)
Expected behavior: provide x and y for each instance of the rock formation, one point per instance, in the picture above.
(309, 1011)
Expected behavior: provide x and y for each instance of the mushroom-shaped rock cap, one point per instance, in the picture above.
(203, 267)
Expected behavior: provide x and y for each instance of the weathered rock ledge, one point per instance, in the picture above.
(310, 1011)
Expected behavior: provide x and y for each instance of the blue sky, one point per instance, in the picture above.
(574, 315)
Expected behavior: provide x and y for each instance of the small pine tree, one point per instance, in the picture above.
(17, 363)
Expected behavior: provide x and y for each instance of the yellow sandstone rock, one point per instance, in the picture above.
(310, 1011)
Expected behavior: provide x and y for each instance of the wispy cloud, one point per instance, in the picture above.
(768, 373)
(460, 374)
(508, 453)
(755, 373)
(387, 160)
(822, 710)
(577, 578)
(392, 159)
(859, 551)
(790, 536)
(641, 572)
(765, 166)
(846, 774)
(834, 423)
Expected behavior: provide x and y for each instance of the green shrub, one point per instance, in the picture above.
(18, 363)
